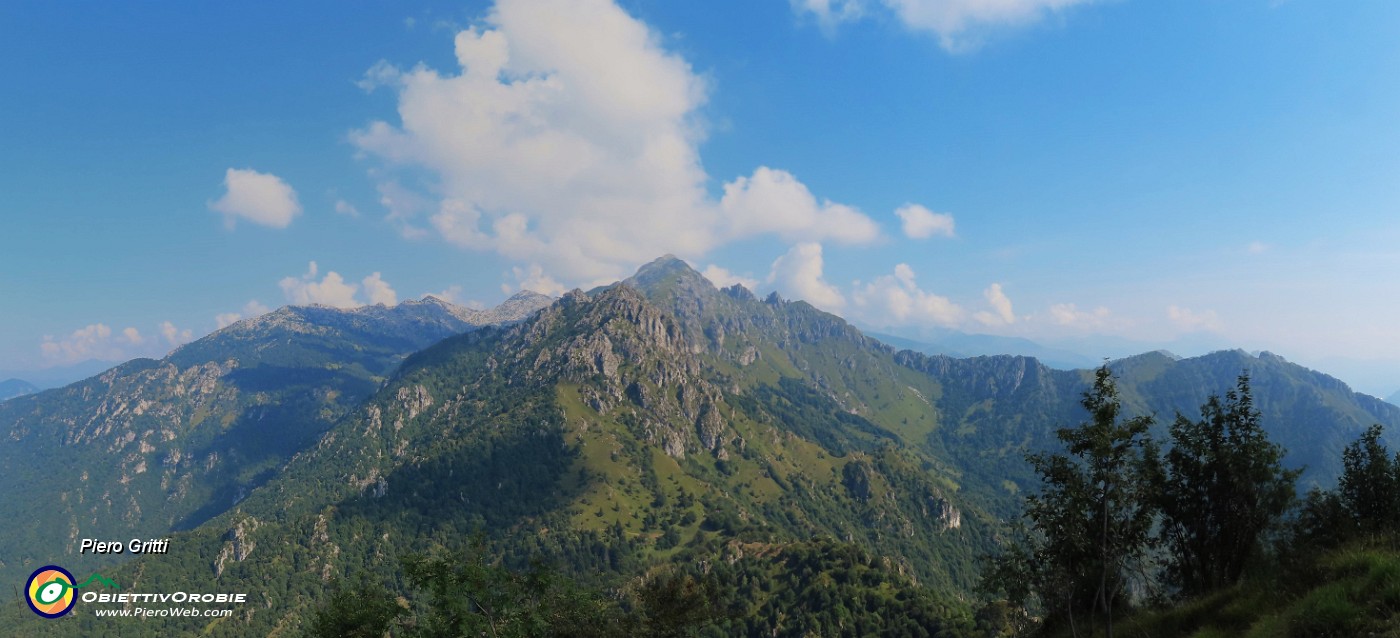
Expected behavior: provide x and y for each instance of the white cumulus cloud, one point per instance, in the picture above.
(1001, 313)
(175, 336)
(722, 278)
(99, 341)
(133, 336)
(773, 201)
(896, 300)
(799, 273)
(534, 279)
(261, 198)
(89, 342)
(379, 291)
(922, 223)
(332, 289)
(568, 139)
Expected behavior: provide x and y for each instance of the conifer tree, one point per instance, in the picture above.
(1370, 483)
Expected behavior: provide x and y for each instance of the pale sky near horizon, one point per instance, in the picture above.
(1192, 174)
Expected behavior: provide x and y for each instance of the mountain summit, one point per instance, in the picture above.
(12, 388)
(667, 271)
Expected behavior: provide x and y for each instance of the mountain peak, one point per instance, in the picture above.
(528, 295)
(12, 388)
(430, 299)
(661, 268)
(670, 275)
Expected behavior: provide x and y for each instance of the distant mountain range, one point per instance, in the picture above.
(1377, 377)
(12, 388)
(59, 376)
(963, 345)
(655, 423)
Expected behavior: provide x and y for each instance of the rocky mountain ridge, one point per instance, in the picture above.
(164, 445)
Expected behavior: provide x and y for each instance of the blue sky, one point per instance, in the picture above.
(1109, 175)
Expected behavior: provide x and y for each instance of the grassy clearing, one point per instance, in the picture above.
(1353, 591)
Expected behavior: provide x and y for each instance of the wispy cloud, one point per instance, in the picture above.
(343, 207)
(1069, 315)
(251, 309)
(958, 24)
(1193, 321)
(100, 342)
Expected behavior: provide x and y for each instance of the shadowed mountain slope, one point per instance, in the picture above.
(153, 446)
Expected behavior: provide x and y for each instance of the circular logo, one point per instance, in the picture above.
(50, 591)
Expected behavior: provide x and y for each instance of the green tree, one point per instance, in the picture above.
(1089, 527)
(1323, 522)
(467, 597)
(1224, 487)
(366, 610)
(673, 606)
(1370, 483)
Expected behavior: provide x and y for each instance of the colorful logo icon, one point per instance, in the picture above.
(50, 591)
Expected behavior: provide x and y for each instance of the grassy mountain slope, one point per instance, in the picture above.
(1349, 591)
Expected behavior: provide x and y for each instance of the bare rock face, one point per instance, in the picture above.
(640, 395)
(674, 444)
(605, 361)
(415, 400)
(242, 544)
(709, 427)
(238, 544)
(944, 512)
